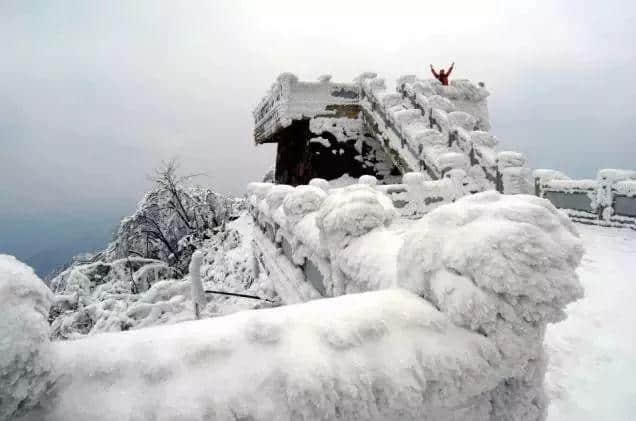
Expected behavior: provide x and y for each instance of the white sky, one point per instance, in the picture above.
(95, 94)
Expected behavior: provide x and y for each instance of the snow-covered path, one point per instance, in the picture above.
(592, 371)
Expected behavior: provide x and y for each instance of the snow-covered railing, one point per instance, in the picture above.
(294, 252)
(609, 200)
(378, 108)
(289, 99)
(461, 95)
(348, 240)
(460, 113)
(412, 142)
(462, 309)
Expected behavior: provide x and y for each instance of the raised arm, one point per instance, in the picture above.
(434, 73)
(450, 69)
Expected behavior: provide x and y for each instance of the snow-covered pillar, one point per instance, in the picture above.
(603, 200)
(513, 177)
(502, 267)
(348, 213)
(198, 295)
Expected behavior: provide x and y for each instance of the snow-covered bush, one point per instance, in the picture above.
(100, 297)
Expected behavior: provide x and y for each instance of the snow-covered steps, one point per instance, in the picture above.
(460, 113)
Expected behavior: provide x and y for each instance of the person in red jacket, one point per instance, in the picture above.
(442, 76)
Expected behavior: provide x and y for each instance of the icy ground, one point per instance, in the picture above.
(593, 353)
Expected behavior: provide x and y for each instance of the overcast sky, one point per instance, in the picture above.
(93, 95)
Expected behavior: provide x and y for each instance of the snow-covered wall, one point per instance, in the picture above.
(458, 300)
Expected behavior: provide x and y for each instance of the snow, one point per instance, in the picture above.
(197, 293)
(517, 180)
(500, 265)
(546, 175)
(569, 186)
(506, 159)
(425, 195)
(482, 138)
(321, 183)
(354, 211)
(342, 128)
(625, 188)
(612, 175)
(302, 200)
(606, 178)
(207, 369)
(592, 354)
(25, 356)
(498, 224)
(462, 119)
(452, 160)
(492, 270)
(342, 181)
(441, 103)
(192, 369)
(290, 99)
(321, 140)
(98, 298)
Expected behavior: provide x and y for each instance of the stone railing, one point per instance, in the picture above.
(460, 113)
(413, 143)
(319, 242)
(466, 341)
(305, 263)
(608, 200)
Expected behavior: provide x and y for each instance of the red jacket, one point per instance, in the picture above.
(442, 76)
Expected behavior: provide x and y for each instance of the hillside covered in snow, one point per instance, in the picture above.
(142, 280)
